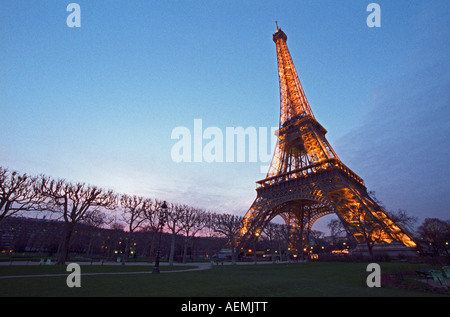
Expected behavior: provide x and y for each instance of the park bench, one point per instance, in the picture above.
(424, 273)
(434, 275)
(446, 270)
(438, 277)
(45, 262)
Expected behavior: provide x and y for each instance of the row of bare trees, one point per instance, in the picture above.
(76, 203)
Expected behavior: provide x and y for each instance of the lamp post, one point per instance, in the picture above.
(255, 259)
(162, 220)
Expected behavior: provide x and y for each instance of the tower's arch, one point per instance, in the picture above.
(306, 179)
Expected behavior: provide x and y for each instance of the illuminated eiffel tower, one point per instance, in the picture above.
(306, 180)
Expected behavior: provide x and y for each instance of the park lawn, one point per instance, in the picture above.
(262, 280)
(61, 269)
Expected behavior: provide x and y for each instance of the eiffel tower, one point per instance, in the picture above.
(306, 179)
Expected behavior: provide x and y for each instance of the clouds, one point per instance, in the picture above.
(402, 147)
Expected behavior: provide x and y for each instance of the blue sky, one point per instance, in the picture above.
(98, 104)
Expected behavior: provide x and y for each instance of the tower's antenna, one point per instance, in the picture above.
(306, 179)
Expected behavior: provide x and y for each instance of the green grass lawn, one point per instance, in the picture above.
(268, 280)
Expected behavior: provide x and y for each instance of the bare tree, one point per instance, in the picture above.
(374, 197)
(318, 237)
(194, 221)
(337, 229)
(95, 222)
(395, 221)
(435, 233)
(402, 218)
(113, 238)
(75, 202)
(372, 230)
(133, 213)
(17, 193)
(175, 224)
(228, 225)
(286, 237)
(270, 232)
(283, 234)
(153, 215)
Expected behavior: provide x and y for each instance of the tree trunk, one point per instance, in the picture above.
(233, 247)
(150, 250)
(127, 247)
(186, 241)
(64, 252)
(172, 249)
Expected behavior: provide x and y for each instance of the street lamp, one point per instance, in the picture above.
(162, 220)
(254, 247)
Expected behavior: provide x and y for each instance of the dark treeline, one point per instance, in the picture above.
(42, 237)
(86, 219)
(42, 214)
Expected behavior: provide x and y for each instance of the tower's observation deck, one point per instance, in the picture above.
(306, 179)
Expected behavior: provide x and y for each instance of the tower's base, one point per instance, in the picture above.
(394, 250)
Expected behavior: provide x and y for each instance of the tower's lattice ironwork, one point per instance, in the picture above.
(306, 179)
